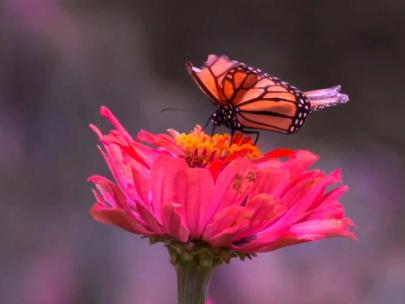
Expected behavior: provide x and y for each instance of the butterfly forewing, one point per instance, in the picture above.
(209, 77)
(238, 82)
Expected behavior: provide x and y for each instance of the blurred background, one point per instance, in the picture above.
(60, 60)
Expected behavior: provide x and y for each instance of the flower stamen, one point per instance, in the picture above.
(200, 149)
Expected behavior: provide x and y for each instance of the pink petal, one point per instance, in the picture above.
(137, 152)
(150, 220)
(173, 181)
(320, 229)
(120, 136)
(118, 217)
(110, 193)
(234, 184)
(141, 184)
(197, 199)
(271, 181)
(301, 161)
(131, 176)
(163, 183)
(215, 168)
(121, 172)
(174, 223)
(278, 153)
(298, 233)
(225, 224)
(329, 207)
(265, 209)
(262, 242)
(105, 112)
(309, 195)
(283, 240)
(96, 130)
(161, 141)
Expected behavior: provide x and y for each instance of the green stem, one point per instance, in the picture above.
(194, 263)
(192, 282)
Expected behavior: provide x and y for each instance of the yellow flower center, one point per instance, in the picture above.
(201, 149)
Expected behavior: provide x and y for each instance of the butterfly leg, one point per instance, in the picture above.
(214, 126)
(232, 131)
(207, 123)
(257, 133)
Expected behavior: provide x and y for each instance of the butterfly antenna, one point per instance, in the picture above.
(173, 109)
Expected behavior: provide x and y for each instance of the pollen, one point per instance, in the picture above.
(201, 149)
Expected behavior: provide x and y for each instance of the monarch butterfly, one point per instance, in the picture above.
(248, 99)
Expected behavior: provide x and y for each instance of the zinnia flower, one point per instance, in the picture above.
(222, 192)
(211, 198)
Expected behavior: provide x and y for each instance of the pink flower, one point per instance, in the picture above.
(194, 187)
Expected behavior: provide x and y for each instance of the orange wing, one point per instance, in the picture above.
(209, 77)
(263, 101)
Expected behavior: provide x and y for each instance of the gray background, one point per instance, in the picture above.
(61, 60)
